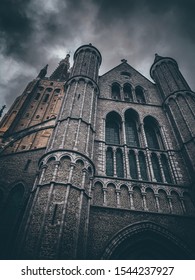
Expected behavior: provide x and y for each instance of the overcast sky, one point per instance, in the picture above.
(36, 32)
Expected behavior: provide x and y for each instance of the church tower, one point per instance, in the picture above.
(178, 103)
(62, 190)
(99, 167)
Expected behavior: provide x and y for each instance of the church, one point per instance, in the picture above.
(99, 167)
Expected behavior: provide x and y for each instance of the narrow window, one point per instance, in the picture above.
(153, 136)
(165, 166)
(143, 166)
(109, 162)
(127, 93)
(156, 168)
(139, 95)
(37, 96)
(113, 129)
(133, 165)
(46, 97)
(116, 91)
(119, 163)
(131, 129)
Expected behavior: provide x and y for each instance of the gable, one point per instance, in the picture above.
(122, 74)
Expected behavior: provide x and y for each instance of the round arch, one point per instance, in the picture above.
(146, 240)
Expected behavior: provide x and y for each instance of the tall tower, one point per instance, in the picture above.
(179, 104)
(56, 220)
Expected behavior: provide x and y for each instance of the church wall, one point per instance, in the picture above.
(116, 220)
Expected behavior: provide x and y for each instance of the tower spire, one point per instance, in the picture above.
(43, 72)
(61, 72)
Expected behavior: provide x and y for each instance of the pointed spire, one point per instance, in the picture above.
(61, 72)
(157, 57)
(43, 72)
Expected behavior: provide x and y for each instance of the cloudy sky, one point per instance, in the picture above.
(36, 32)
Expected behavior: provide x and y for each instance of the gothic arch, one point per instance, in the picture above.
(113, 128)
(115, 91)
(131, 128)
(140, 96)
(153, 133)
(146, 240)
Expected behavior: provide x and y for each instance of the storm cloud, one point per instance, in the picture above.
(36, 32)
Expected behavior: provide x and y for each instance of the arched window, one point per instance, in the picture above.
(119, 163)
(113, 124)
(143, 166)
(37, 96)
(131, 129)
(46, 97)
(156, 167)
(152, 132)
(127, 92)
(165, 166)
(116, 91)
(109, 162)
(140, 94)
(133, 165)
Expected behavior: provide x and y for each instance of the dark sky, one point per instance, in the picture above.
(36, 32)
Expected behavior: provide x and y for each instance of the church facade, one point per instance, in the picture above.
(99, 167)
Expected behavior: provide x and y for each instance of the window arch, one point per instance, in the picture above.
(153, 136)
(119, 163)
(109, 162)
(156, 167)
(131, 128)
(139, 92)
(127, 90)
(113, 125)
(116, 91)
(37, 96)
(133, 165)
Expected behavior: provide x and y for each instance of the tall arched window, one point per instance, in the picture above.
(113, 124)
(156, 167)
(116, 91)
(140, 94)
(1, 197)
(45, 97)
(127, 92)
(153, 135)
(143, 166)
(131, 128)
(119, 163)
(165, 166)
(109, 162)
(133, 165)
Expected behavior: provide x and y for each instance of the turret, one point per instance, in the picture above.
(179, 103)
(61, 193)
(87, 60)
(165, 72)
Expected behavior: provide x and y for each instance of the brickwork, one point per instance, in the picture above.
(103, 161)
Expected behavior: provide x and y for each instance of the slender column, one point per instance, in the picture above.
(55, 170)
(118, 192)
(131, 200)
(105, 197)
(114, 159)
(157, 202)
(144, 201)
(161, 169)
(170, 203)
(138, 166)
(183, 205)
